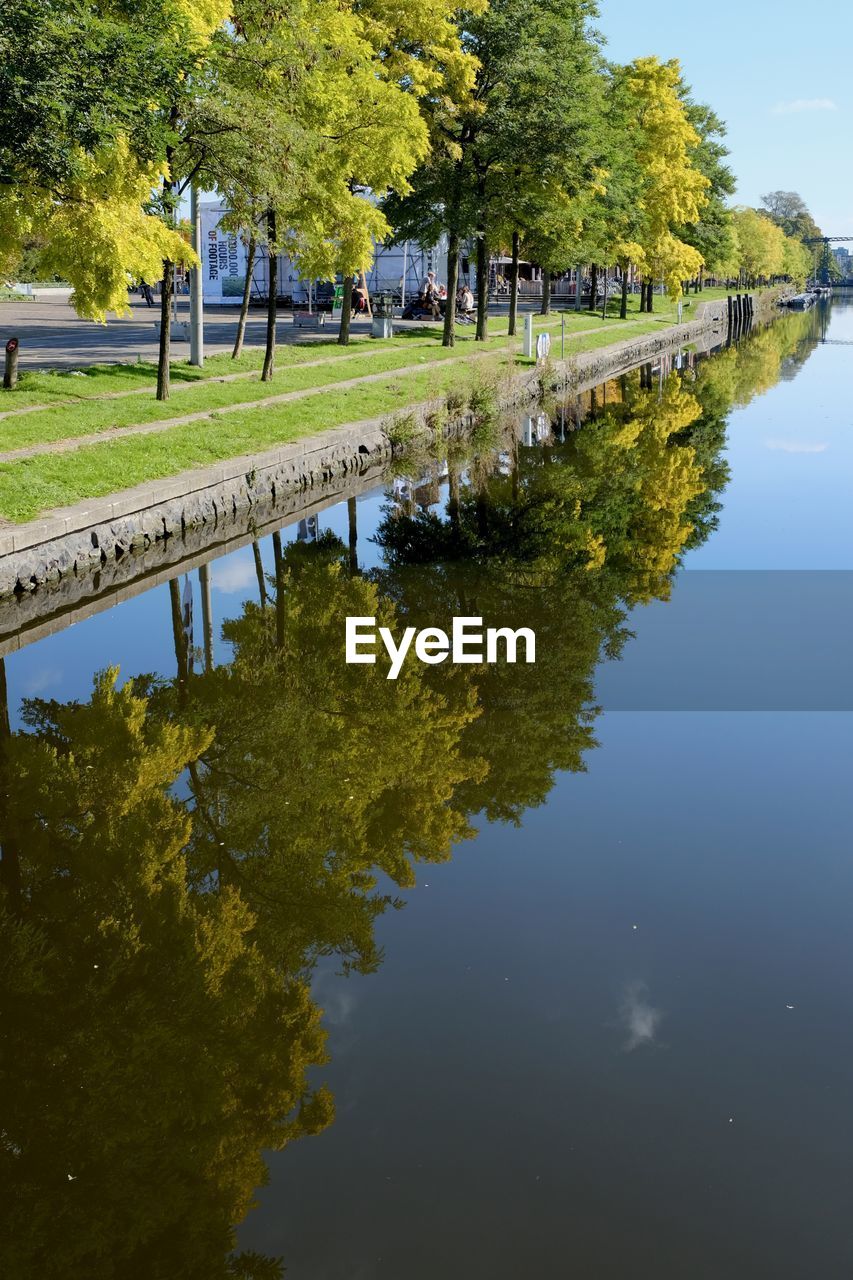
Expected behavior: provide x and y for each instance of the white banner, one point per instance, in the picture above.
(223, 260)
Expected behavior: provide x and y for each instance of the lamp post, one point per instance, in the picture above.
(196, 293)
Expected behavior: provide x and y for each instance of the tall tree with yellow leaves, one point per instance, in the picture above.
(672, 188)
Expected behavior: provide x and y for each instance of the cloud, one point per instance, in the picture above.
(797, 105)
(638, 1018)
(42, 680)
(233, 574)
(796, 446)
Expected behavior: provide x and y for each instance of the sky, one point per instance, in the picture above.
(779, 74)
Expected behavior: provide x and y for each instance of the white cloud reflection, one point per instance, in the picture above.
(797, 446)
(234, 574)
(637, 1018)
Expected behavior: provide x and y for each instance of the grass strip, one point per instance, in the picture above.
(66, 422)
(36, 484)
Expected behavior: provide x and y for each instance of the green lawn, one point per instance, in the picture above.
(67, 420)
(36, 484)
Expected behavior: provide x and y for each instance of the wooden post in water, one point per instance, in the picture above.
(10, 372)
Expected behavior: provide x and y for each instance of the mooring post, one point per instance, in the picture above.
(10, 372)
(730, 310)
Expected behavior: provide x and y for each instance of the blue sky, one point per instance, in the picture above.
(778, 73)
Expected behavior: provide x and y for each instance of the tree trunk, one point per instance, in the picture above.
(546, 292)
(247, 293)
(448, 338)
(513, 286)
(10, 854)
(259, 572)
(164, 353)
(272, 259)
(206, 614)
(352, 522)
(179, 638)
(651, 297)
(593, 285)
(346, 311)
(623, 303)
(482, 287)
(453, 497)
(279, 589)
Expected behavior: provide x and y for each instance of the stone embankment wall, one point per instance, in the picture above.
(116, 536)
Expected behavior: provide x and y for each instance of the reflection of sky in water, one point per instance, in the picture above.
(787, 505)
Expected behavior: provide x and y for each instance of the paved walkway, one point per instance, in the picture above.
(53, 336)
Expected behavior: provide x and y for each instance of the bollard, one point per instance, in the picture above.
(10, 373)
(527, 349)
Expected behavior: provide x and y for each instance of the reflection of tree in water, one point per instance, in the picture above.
(149, 1049)
(178, 855)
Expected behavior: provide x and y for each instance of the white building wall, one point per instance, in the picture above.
(224, 265)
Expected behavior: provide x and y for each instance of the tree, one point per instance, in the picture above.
(712, 235)
(525, 140)
(81, 149)
(384, 61)
(760, 244)
(796, 260)
(673, 190)
(550, 138)
(789, 211)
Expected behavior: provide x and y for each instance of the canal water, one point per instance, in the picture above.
(492, 971)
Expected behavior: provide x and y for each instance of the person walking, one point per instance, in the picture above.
(432, 296)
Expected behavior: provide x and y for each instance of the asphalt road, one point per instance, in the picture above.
(53, 336)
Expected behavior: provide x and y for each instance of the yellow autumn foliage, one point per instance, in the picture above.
(97, 236)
